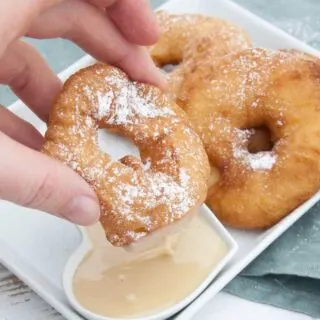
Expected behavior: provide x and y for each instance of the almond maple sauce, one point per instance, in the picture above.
(118, 283)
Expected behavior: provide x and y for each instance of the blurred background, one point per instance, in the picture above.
(301, 18)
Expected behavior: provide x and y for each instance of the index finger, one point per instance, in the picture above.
(136, 21)
(134, 18)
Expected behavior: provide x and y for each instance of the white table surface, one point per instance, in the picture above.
(18, 302)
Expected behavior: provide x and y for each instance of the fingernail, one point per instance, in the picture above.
(83, 210)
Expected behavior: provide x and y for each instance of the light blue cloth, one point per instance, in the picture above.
(288, 273)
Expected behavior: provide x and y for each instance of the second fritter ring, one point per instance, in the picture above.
(228, 99)
(187, 39)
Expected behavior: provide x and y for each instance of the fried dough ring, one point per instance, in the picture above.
(136, 196)
(188, 38)
(250, 89)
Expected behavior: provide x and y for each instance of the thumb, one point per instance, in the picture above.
(34, 180)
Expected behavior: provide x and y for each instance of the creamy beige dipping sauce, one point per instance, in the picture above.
(117, 283)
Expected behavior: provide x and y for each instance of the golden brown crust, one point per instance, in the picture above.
(136, 196)
(188, 38)
(249, 89)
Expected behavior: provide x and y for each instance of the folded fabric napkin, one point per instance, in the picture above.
(287, 274)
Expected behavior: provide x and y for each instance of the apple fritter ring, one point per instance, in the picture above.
(188, 38)
(231, 99)
(137, 196)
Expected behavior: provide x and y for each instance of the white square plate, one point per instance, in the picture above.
(36, 246)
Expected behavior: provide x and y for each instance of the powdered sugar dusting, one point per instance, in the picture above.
(136, 195)
(263, 160)
(244, 81)
(159, 189)
(128, 104)
(104, 103)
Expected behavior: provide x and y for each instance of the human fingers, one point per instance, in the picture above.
(91, 29)
(136, 21)
(16, 16)
(29, 76)
(134, 18)
(34, 180)
(19, 130)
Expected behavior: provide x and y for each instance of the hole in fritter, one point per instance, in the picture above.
(260, 140)
(115, 145)
(170, 67)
